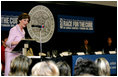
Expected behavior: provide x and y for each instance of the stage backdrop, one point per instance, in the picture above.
(102, 20)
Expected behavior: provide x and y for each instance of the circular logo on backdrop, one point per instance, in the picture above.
(41, 16)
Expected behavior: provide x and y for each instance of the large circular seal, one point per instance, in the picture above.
(41, 15)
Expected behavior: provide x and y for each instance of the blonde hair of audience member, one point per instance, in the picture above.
(104, 68)
(45, 68)
(20, 66)
(64, 68)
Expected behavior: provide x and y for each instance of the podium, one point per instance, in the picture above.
(22, 46)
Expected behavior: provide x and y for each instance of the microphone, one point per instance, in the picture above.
(39, 26)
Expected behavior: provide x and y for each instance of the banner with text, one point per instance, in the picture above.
(9, 19)
(75, 24)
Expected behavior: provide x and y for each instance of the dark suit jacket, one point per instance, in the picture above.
(108, 48)
(83, 49)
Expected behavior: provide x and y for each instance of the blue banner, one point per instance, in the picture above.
(9, 19)
(112, 59)
(75, 24)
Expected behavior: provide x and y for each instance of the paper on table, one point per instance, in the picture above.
(112, 52)
(98, 52)
(80, 53)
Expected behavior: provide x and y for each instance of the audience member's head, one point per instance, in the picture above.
(45, 68)
(104, 68)
(109, 40)
(20, 66)
(85, 67)
(85, 42)
(4, 39)
(64, 68)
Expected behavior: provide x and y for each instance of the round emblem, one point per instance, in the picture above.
(41, 15)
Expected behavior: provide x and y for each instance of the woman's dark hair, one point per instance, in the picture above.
(23, 16)
(85, 66)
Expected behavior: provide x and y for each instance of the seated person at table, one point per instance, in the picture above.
(3, 46)
(85, 67)
(86, 48)
(45, 68)
(104, 67)
(109, 46)
(64, 68)
(19, 66)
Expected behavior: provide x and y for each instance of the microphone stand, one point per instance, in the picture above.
(39, 26)
(40, 44)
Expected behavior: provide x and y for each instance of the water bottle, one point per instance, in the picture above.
(115, 49)
(102, 51)
(87, 52)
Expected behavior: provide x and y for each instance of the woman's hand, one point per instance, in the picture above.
(14, 43)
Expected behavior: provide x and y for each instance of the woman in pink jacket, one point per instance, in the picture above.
(15, 35)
